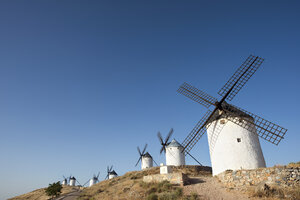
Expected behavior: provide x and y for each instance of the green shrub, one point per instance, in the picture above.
(153, 189)
(53, 190)
(178, 192)
(152, 196)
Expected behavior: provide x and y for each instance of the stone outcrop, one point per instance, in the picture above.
(173, 178)
(283, 176)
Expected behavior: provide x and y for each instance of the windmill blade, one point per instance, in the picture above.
(106, 176)
(138, 148)
(263, 128)
(138, 161)
(154, 162)
(240, 77)
(168, 136)
(195, 135)
(194, 159)
(110, 168)
(98, 175)
(143, 152)
(160, 138)
(163, 148)
(85, 183)
(78, 182)
(196, 95)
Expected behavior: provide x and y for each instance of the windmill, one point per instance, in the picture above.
(73, 180)
(110, 173)
(65, 181)
(173, 150)
(93, 180)
(232, 132)
(145, 158)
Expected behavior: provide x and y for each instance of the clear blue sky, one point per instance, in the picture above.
(82, 83)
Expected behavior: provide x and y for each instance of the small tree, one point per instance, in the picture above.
(53, 190)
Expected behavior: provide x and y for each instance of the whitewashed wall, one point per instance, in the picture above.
(227, 153)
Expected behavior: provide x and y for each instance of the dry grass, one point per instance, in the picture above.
(276, 192)
(131, 186)
(40, 194)
(294, 165)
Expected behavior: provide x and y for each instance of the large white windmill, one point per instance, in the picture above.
(232, 132)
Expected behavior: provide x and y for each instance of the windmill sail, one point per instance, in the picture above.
(197, 95)
(240, 77)
(265, 129)
(195, 135)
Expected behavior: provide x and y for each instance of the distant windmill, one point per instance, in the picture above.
(73, 180)
(93, 180)
(110, 173)
(173, 150)
(146, 158)
(232, 132)
(65, 181)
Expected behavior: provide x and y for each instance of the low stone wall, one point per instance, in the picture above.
(283, 176)
(174, 178)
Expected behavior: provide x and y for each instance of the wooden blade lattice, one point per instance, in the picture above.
(196, 95)
(263, 128)
(195, 135)
(242, 75)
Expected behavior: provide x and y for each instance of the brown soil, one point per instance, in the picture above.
(208, 188)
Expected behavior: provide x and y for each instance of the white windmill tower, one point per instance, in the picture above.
(65, 181)
(173, 150)
(110, 173)
(146, 158)
(93, 180)
(232, 132)
(72, 181)
(174, 154)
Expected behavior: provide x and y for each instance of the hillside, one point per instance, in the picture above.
(40, 194)
(202, 186)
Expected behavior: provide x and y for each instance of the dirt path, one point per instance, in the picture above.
(209, 188)
(69, 196)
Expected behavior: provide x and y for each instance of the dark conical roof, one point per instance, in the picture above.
(229, 111)
(147, 155)
(113, 172)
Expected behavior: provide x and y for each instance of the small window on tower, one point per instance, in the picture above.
(222, 121)
(238, 139)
